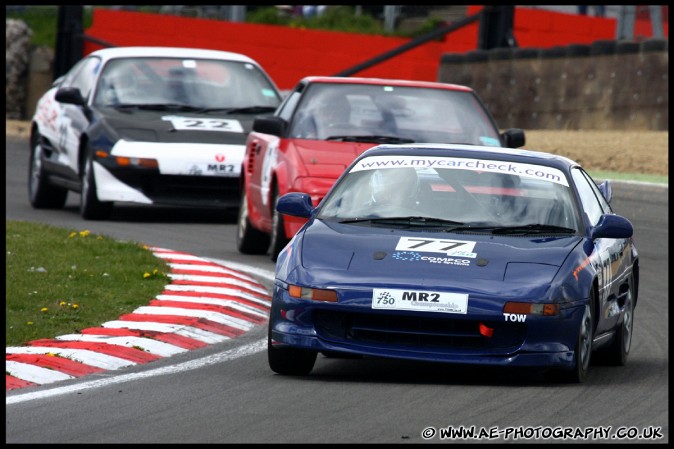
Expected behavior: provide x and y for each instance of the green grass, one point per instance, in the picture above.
(60, 281)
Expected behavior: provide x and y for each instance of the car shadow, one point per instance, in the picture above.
(382, 370)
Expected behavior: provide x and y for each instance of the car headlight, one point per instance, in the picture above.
(313, 294)
(125, 161)
(526, 308)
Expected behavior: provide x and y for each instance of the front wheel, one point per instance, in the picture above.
(41, 194)
(583, 350)
(278, 239)
(248, 239)
(290, 361)
(584, 345)
(90, 207)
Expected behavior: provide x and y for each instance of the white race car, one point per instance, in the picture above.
(147, 125)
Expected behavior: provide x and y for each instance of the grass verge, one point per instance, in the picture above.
(599, 175)
(61, 281)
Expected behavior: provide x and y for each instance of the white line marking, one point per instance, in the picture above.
(221, 318)
(226, 356)
(214, 302)
(217, 291)
(218, 280)
(194, 333)
(146, 344)
(85, 356)
(212, 269)
(259, 272)
(33, 373)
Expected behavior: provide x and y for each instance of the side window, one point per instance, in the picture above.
(590, 196)
(85, 76)
(259, 86)
(70, 76)
(600, 197)
(288, 106)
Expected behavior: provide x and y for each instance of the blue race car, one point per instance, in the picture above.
(460, 254)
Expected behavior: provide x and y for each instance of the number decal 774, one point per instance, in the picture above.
(444, 246)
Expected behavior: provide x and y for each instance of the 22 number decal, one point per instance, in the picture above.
(205, 124)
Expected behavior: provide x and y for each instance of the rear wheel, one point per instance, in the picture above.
(248, 239)
(41, 194)
(90, 207)
(290, 361)
(278, 239)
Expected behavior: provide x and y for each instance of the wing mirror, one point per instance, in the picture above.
(513, 138)
(275, 126)
(70, 95)
(612, 226)
(606, 190)
(296, 204)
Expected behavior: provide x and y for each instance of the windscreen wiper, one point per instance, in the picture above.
(405, 221)
(159, 106)
(536, 228)
(243, 110)
(372, 138)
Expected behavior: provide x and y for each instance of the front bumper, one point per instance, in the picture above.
(148, 186)
(356, 329)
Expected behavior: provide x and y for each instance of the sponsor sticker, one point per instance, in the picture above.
(540, 172)
(204, 124)
(186, 158)
(214, 169)
(490, 141)
(419, 300)
(454, 248)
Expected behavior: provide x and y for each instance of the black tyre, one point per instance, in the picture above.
(248, 239)
(583, 351)
(278, 239)
(616, 354)
(90, 207)
(290, 361)
(41, 194)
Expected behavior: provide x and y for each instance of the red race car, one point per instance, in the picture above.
(325, 122)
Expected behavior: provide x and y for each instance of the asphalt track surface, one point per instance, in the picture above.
(225, 393)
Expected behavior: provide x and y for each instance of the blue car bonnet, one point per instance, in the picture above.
(410, 257)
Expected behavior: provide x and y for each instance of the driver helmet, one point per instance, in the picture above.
(333, 109)
(394, 185)
(118, 87)
(123, 81)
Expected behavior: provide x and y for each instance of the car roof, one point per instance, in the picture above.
(176, 52)
(473, 151)
(383, 81)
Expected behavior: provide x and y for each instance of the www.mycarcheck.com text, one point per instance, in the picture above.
(542, 433)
